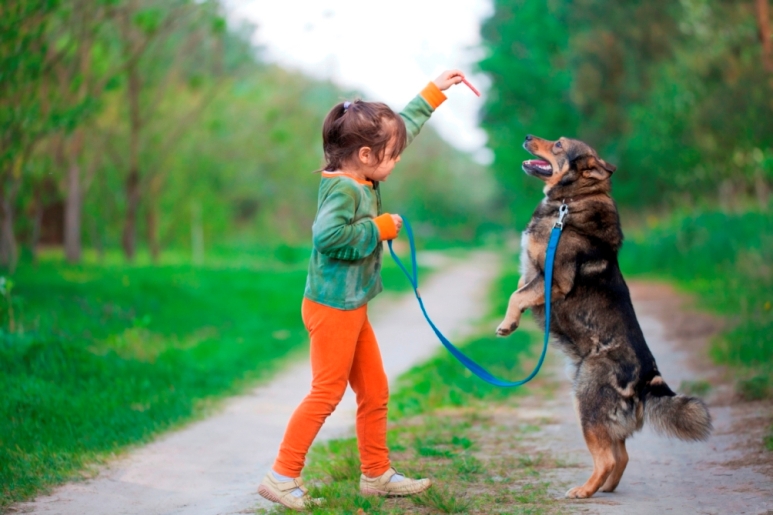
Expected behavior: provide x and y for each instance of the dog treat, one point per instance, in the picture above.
(471, 86)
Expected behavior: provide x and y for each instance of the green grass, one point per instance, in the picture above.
(503, 482)
(699, 388)
(727, 260)
(105, 356)
(443, 499)
(444, 382)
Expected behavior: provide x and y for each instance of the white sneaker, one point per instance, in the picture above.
(383, 485)
(282, 492)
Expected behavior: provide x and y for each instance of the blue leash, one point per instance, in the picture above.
(463, 359)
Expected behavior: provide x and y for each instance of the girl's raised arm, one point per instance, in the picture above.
(419, 110)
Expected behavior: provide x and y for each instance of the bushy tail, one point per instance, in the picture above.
(671, 414)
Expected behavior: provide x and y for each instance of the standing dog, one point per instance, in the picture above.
(616, 380)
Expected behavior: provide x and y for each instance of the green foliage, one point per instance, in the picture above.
(698, 388)
(674, 93)
(23, 49)
(754, 388)
(149, 19)
(253, 158)
(526, 43)
(442, 191)
(726, 259)
(96, 97)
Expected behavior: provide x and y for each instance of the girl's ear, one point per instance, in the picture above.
(364, 155)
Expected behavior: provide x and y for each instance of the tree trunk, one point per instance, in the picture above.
(73, 205)
(96, 239)
(218, 56)
(763, 26)
(727, 196)
(761, 190)
(129, 239)
(8, 248)
(151, 219)
(133, 185)
(37, 222)
(197, 234)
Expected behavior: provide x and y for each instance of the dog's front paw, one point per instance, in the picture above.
(506, 328)
(578, 492)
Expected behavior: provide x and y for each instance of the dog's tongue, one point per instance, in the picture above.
(538, 162)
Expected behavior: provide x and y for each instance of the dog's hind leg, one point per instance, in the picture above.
(621, 461)
(602, 447)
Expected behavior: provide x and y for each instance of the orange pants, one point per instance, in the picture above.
(343, 350)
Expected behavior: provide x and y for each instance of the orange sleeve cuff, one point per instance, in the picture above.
(387, 230)
(433, 95)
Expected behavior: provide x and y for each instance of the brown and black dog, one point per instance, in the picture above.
(616, 380)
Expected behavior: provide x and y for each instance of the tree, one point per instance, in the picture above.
(79, 79)
(766, 39)
(24, 61)
(677, 99)
(156, 42)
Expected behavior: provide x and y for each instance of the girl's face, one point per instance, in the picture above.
(367, 166)
(380, 171)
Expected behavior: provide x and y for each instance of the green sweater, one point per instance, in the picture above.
(345, 266)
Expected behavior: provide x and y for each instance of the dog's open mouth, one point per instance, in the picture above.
(538, 167)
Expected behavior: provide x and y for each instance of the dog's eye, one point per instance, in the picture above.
(558, 144)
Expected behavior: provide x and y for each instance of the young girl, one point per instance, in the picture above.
(362, 143)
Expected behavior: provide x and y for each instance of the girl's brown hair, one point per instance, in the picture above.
(350, 126)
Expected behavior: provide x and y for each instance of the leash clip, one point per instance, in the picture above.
(562, 212)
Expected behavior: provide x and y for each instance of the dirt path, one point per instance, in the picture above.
(729, 474)
(213, 466)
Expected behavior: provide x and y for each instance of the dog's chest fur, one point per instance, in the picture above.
(593, 322)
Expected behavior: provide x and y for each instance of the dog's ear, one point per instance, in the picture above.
(597, 168)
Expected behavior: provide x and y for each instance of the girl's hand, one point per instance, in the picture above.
(398, 220)
(448, 78)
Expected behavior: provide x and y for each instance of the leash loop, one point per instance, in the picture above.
(471, 365)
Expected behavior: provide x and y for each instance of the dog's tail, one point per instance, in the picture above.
(671, 414)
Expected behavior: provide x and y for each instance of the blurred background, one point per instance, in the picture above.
(157, 185)
(192, 127)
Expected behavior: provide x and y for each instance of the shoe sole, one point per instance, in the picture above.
(268, 494)
(384, 493)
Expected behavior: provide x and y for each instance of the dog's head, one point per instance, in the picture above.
(568, 167)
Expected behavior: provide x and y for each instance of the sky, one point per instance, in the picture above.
(386, 50)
